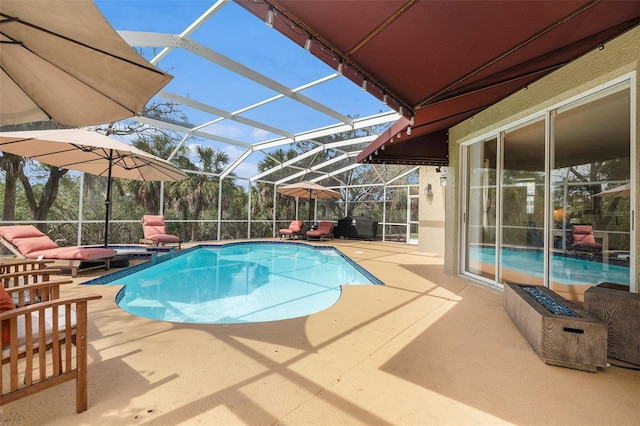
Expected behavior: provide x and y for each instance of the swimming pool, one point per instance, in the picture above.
(239, 282)
(570, 270)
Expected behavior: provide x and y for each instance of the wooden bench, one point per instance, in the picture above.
(47, 335)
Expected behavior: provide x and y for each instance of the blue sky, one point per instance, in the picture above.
(237, 34)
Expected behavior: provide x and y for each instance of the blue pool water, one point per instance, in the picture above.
(564, 269)
(240, 282)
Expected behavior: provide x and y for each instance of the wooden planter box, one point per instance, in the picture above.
(620, 310)
(578, 342)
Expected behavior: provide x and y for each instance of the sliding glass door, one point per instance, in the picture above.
(480, 229)
(522, 223)
(591, 232)
(548, 200)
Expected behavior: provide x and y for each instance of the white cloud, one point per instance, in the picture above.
(233, 151)
(229, 129)
(247, 169)
(259, 135)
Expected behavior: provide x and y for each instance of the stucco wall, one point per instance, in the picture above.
(619, 57)
(431, 212)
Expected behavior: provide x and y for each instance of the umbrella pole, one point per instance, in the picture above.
(107, 202)
(309, 209)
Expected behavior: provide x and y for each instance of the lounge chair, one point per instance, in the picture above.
(44, 333)
(324, 231)
(584, 240)
(154, 232)
(28, 242)
(294, 229)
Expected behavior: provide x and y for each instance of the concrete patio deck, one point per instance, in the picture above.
(426, 348)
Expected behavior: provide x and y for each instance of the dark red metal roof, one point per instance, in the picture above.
(440, 62)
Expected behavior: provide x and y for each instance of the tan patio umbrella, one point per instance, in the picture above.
(93, 153)
(62, 60)
(618, 191)
(309, 190)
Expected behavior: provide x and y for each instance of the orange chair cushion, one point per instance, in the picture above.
(11, 232)
(74, 253)
(153, 225)
(294, 227)
(6, 304)
(29, 245)
(583, 236)
(163, 238)
(32, 244)
(324, 228)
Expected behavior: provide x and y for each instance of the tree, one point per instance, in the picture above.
(359, 198)
(263, 205)
(161, 145)
(165, 111)
(200, 191)
(13, 167)
(40, 209)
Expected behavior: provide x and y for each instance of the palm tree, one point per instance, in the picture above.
(264, 199)
(194, 195)
(148, 193)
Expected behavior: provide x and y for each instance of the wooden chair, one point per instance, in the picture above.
(9, 265)
(47, 335)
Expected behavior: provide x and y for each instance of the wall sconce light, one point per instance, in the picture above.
(428, 191)
(443, 179)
